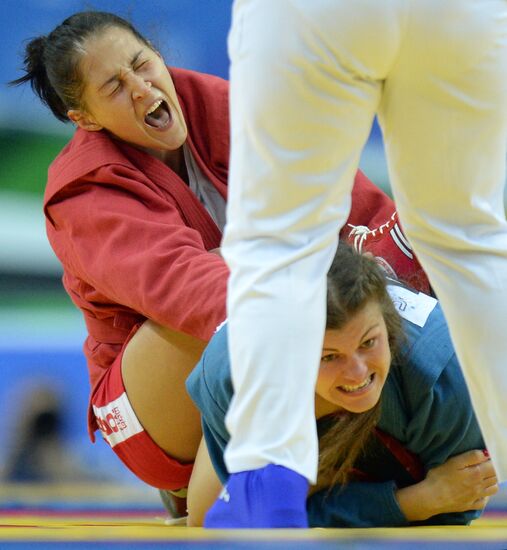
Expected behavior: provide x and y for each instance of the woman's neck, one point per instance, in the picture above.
(175, 160)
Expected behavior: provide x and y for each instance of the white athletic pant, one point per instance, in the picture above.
(307, 78)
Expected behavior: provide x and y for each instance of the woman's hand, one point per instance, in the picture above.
(464, 482)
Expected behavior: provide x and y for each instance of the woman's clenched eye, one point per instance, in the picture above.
(329, 357)
(141, 64)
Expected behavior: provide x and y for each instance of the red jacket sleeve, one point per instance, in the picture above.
(128, 244)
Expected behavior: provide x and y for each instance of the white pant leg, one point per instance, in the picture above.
(444, 114)
(300, 117)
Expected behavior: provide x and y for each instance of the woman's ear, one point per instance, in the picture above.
(83, 120)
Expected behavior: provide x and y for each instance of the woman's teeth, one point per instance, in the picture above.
(350, 389)
(158, 115)
(156, 105)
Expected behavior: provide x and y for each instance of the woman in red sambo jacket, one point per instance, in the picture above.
(134, 204)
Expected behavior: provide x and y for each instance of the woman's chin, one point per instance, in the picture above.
(356, 404)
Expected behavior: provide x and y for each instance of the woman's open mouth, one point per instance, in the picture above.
(158, 115)
(357, 389)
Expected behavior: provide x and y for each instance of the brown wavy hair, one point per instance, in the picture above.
(353, 281)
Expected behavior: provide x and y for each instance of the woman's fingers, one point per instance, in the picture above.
(480, 503)
(487, 469)
(490, 490)
(469, 459)
(463, 482)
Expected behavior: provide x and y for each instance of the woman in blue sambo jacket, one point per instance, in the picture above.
(399, 443)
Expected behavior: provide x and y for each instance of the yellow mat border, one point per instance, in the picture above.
(87, 529)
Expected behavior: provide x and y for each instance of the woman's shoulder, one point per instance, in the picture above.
(84, 154)
(202, 96)
(186, 77)
(426, 367)
(426, 359)
(426, 389)
(84, 151)
(425, 402)
(427, 347)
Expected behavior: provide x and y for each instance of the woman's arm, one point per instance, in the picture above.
(449, 495)
(203, 488)
(463, 483)
(357, 504)
(134, 247)
(426, 406)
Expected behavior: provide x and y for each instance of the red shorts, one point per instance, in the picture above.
(128, 439)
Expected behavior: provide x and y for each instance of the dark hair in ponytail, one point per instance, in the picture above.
(353, 281)
(51, 62)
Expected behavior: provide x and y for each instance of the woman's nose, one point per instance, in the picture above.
(355, 371)
(140, 87)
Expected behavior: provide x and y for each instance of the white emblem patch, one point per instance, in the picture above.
(117, 420)
(412, 306)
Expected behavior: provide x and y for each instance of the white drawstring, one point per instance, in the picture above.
(362, 232)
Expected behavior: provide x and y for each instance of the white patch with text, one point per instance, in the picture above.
(117, 420)
(412, 306)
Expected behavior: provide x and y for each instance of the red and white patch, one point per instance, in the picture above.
(117, 420)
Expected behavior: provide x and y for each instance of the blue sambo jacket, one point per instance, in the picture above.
(425, 407)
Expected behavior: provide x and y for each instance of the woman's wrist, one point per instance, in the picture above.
(414, 501)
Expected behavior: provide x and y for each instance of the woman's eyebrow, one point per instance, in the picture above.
(368, 330)
(116, 76)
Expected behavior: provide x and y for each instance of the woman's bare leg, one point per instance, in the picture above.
(155, 365)
(203, 488)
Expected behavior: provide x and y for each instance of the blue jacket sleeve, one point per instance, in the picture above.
(357, 504)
